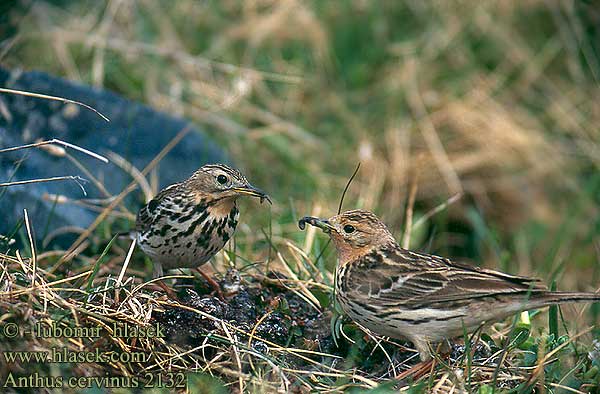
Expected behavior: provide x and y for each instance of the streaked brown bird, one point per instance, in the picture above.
(417, 296)
(187, 223)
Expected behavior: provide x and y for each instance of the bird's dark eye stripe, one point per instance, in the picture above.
(349, 228)
(222, 179)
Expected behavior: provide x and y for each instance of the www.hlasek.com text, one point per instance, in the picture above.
(64, 355)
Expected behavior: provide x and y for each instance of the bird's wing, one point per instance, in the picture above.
(395, 275)
(154, 208)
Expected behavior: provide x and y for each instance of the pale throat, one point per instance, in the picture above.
(223, 207)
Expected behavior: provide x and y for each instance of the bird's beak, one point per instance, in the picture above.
(323, 224)
(253, 191)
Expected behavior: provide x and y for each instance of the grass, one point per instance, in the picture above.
(493, 101)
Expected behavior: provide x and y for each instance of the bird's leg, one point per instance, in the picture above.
(424, 349)
(170, 292)
(212, 283)
(157, 273)
(426, 365)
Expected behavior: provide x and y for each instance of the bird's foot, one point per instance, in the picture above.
(426, 366)
(213, 284)
(417, 371)
(170, 292)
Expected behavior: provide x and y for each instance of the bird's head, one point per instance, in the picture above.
(354, 233)
(219, 181)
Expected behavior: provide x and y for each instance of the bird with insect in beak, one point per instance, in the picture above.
(187, 223)
(419, 297)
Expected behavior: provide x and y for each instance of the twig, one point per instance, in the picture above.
(126, 263)
(339, 210)
(409, 211)
(61, 99)
(432, 139)
(57, 142)
(77, 179)
(310, 234)
(253, 333)
(32, 246)
(540, 366)
(123, 270)
(136, 47)
(132, 186)
(134, 172)
(347, 186)
(436, 210)
(236, 353)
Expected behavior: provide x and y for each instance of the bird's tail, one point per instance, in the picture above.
(560, 297)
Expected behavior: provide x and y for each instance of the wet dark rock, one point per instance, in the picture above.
(285, 319)
(242, 308)
(135, 132)
(482, 352)
(211, 306)
(274, 328)
(260, 347)
(318, 331)
(182, 326)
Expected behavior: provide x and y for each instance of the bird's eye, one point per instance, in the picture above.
(349, 229)
(222, 179)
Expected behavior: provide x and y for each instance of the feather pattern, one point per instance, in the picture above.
(189, 222)
(417, 296)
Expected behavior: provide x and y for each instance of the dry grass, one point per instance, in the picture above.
(91, 297)
(492, 101)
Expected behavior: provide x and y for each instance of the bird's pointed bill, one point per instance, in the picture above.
(323, 224)
(250, 190)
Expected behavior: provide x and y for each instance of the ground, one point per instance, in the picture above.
(485, 112)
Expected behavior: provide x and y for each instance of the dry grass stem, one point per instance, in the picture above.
(61, 99)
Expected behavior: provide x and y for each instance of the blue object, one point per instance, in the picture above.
(135, 131)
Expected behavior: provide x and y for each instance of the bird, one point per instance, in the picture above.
(420, 297)
(188, 222)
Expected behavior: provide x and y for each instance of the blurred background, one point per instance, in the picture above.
(494, 102)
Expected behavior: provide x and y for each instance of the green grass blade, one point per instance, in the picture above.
(553, 315)
(97, 264)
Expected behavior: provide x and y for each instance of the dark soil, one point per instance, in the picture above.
(272, 313)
